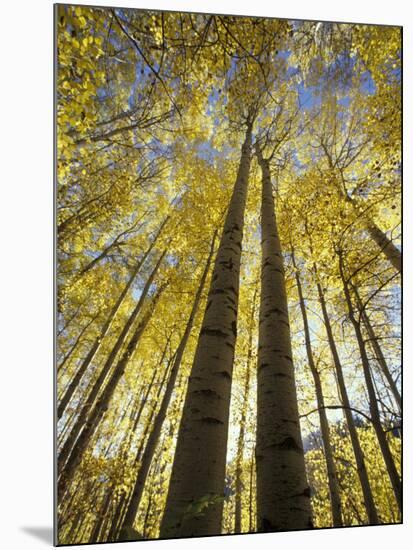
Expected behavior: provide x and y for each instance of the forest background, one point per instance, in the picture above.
(29, 442)
(152, 108)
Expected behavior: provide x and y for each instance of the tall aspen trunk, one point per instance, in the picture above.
(147, 457)
(283, 494)
(105, 329)
(251, 495)
(101, 518)
(390, 250)
(198, 473)
(68, 422)
(392, 253)
(65, 515)
(102, 403)
(96, 387)
(74, 528)
(334, 490)
(241, 437)
(374, 409)
(381, 360)
(118, 504)
(238, 477)
(97, 259)
(145, 396)
(358, 453)
(71, 318)
(74, 346)
(117, 518)
(125, 496)
(151, 416)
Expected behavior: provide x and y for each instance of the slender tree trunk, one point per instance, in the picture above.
(180, 390)
(82, 217)
(334, 490)
(358, 453)
(100, 520)
(198, 473)
(119, 511)
(153, 439)
(238, 474)
(98, 259)
(378, 351)
(78, 523)
(251, 495)
(283, 494)
(125, 499)
(105, 329)
(117, 517)
(390, 250)
(374, 410)
(146, 520)
(88, 404)
(150, 420)
(241, 437)
(68, 422)
(71, 319)
(102, 403)
(74, 346)
(74, 528)
(116, 243)
(145, 397)
(94, 349)
(142, 124)
(67, 508)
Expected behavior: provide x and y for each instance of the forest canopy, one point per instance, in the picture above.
(228, 274)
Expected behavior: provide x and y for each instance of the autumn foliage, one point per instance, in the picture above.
(228, 274)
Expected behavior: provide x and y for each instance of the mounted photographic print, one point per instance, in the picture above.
(228, 258)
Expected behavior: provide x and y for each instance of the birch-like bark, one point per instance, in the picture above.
(101, 518)
(283, 494)
(147, 457)
(381, 360)
(146, 394)
(74, 346)
(198, 473)
(389, 249)
(373, 406)
(241, 437)
(334, 490)
(96, 387)
(358, 453)
(122, 505)
(251, 494)
(105, 329)
(102, 403)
